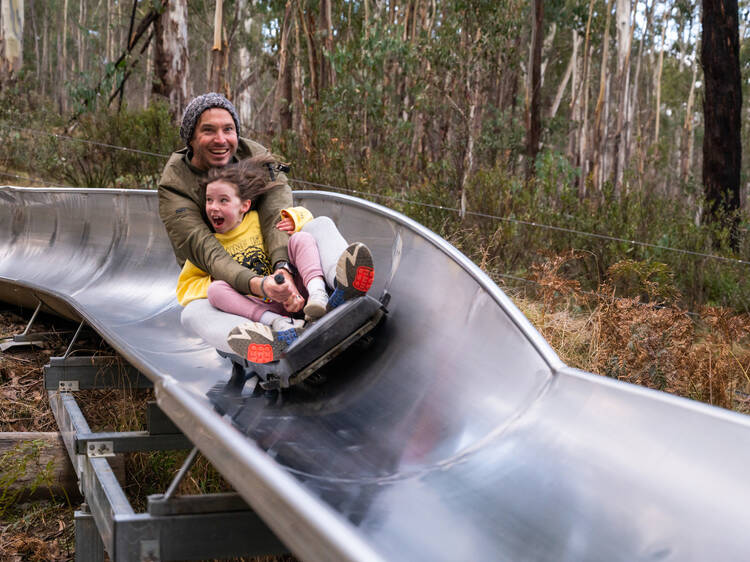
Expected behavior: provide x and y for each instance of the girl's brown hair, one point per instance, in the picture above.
(252, 176)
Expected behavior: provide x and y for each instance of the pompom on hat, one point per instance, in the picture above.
(200, 104)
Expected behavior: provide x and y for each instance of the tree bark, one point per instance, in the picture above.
(533, 118)
(584, 108)
(599, 137)
(243, 92)
(63, 62)
(722, 106)
(657, 78)
(327, 77)
(171, 59)
(281, 115)
(36, 465)
(686, 144)
(569, 71)
(45, 56)
(11, 38)
(217, 79)
(624, 42)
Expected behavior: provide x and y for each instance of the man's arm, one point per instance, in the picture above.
(269, 207)
(269, 213)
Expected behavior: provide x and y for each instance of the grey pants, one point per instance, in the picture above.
(214, 325)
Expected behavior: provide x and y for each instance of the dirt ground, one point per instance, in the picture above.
(42, 529)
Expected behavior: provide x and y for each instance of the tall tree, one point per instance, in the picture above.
(171, 61)
(533, 120)
(217, 78)
(11, 37)
(722, 106)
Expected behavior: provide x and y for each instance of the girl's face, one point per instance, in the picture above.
(224, 207)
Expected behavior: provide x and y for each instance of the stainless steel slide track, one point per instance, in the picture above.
(458, 435)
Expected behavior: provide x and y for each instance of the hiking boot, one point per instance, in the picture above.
(354, 274)
(259, 343)
(316, 306)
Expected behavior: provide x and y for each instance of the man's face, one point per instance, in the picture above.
(214, 139)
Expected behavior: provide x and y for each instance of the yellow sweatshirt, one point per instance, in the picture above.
(245, 244)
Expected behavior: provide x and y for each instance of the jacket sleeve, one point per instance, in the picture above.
(269, 208)
(269, 212)
(192, 239)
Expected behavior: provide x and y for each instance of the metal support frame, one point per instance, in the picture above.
(174, 528)
(79, 372)
(25, 339)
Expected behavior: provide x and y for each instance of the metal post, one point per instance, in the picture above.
(33, 317)
(73, 341)
(181, 474)
(89, 546)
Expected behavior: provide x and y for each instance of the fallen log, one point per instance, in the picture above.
(36, 465)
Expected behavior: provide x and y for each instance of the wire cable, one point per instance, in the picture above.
(95, 143)
(535, 224)
(427, 205)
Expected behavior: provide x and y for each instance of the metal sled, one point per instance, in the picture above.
(323, 341)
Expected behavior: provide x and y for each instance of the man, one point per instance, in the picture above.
(210, 130)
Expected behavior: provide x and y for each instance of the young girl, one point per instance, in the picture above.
(229, 194)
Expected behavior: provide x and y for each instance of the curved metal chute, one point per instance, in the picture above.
(457, 435)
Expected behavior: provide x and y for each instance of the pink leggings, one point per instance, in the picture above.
(303, 253)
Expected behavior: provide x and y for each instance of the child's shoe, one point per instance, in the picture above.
(259, 343)
(354, 274)
(317, 303)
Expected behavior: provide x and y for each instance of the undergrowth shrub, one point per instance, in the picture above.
(655, 343)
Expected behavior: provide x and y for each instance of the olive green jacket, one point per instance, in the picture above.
(182, 209)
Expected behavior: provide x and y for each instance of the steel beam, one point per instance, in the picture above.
(89, 372)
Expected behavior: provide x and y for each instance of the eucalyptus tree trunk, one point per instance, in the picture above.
(312, 53)
(569, 72)
(686, 142)
(62, 63)
(533, 120)
(657, 76)
(299, 118)
(244, 91)
(599, 137)
(11, 38)
(281, 115)
(79, 35)
(216, 81)
(149, 71)
(108, 50)
(722, 107)
(37, 54)
(630, 146)
(327, 77)
(171, 60)
(45, 56)
(583, 122)
(624, 42)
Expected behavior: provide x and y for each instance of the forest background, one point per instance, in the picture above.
(561, 144)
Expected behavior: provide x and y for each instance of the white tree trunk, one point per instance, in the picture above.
(171, 57)
(11, 37)
(568, 73)
(624, 43)
(657, 77)
(244, 98)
